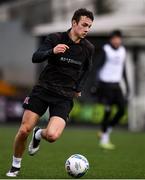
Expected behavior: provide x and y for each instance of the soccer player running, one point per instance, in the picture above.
(69, 57)
(111, 70)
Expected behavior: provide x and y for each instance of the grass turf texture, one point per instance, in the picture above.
(127, 161)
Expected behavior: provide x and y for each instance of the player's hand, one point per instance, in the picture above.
(60, 48)
(77, 94)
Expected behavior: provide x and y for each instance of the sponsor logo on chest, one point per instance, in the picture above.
(69, 60)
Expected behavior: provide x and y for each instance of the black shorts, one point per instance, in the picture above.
(110, 94)
(40, 99)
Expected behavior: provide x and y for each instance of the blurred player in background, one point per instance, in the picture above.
(69, 57)
(110, 71)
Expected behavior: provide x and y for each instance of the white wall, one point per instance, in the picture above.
(141, 73)
(64, 9)
(129, 6)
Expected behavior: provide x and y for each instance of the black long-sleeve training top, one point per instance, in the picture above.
(65, 73)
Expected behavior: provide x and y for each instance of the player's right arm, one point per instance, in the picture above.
(48, 49)
(45, 51)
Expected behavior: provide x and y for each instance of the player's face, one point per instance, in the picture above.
(82, 27)
(116, 41)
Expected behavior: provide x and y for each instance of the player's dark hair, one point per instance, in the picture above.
(116, 33)
(82, 12)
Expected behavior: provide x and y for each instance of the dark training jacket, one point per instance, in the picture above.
(65, 73)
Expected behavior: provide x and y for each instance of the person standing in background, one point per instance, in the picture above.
(110, 71)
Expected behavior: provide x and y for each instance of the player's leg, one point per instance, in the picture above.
(34, 108)
(105, 120)
(29, 120)
(54, 129)
(107, 92)
(120, 103)
(105, 142)
(102, 98)
(118, 100)
(51, 133)
(59, 113)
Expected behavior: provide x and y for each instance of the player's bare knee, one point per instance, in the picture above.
(24, 132)
(52, 137)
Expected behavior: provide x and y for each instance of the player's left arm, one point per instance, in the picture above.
(85, 72)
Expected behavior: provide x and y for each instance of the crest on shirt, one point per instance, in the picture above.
(26, 101)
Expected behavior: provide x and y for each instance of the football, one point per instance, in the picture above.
(76, 165)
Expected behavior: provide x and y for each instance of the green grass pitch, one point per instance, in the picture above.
(126, 161)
